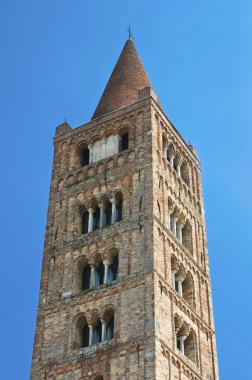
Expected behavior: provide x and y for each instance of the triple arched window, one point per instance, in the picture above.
(99, 215)
(95, 329)
(97, 271)
(104, 148)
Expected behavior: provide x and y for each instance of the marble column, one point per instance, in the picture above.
(90, 219)
(90, 147)
(91, 333)
(106, 267)
(171, 160)
(104, 328)
(179, 232)
(102, 215)
(174, 225)
(113, 218)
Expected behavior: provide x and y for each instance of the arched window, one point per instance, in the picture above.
(124, 141)
(184, 173)
(109, 324)
(84, 226)
(97, 332)
(99, 377)
(188, 290)
(165, 147)
(190, 347)
(119, 206)
(99, 274)
(171, 155)
(81, 338)
(113, 270)
(110, 328)
(176, 165)
(85, 336)
(96, 218)
(108, 213)
(86, 276)
(84, 156)
(183, 284)
(187, 237)
(186, 340)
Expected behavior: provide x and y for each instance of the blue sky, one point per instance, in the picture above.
(56, 57)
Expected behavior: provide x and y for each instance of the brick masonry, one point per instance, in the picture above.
(147, 307)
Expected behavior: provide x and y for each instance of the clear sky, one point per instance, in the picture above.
(56, 57)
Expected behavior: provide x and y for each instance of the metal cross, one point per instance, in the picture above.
(131, 37)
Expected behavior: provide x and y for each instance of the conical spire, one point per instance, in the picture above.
(127, 78)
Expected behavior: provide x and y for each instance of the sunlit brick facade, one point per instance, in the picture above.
(125, 289)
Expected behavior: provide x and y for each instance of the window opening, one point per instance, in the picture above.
(85, 157)
(119, 210)
(113, 270)
(110, 329)
(85, 217)
(85, 336)
(97, 333)
(108, 213)
(96, 218)
(124, 142)
(100, 274)
(86, 275)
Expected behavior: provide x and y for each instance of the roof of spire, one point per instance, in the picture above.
(127, 78)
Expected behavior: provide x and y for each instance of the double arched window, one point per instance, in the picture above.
(179, 227)
(176, 162)
(183, 282)
(186, 341)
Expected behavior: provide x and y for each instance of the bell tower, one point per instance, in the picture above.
(125, 289)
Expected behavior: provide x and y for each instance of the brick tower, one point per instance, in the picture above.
(125, 289)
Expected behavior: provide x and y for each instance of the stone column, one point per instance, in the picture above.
(118, 143)
(179, 168)
(174, 226)
(174, 279)
(182, 345)
(179, 232)
(104, 326)
(90, 147)
(106, 267)
(171, 160)
(92, 276)
(170, 211)
(180, 290)
(113, 218)
(102, 215)
(90, 219)
(165, 151)
(91, 331)
(103, 147)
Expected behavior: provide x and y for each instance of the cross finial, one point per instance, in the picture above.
(65, 120)
(130, 33)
